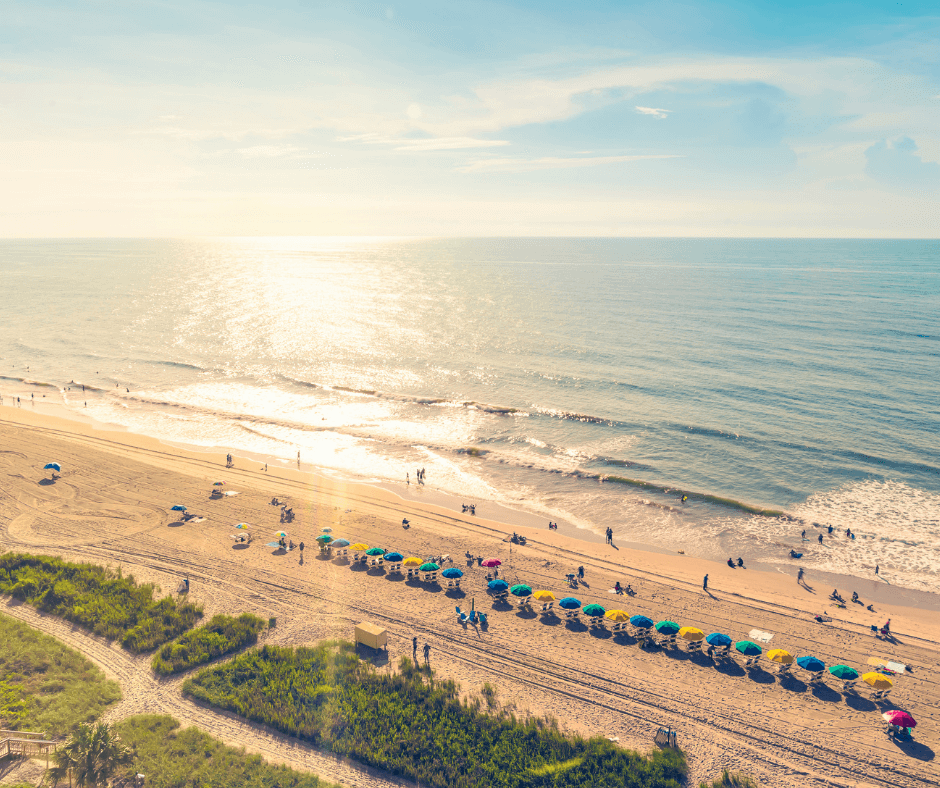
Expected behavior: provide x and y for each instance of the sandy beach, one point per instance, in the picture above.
(112, 505)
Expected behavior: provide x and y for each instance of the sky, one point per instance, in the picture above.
(156, 119)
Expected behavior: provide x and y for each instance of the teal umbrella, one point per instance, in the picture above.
(667, 628)
(324, 538)
(748, 649)
(844, 672)
(429, 567)
(520, 590)
(375, 551)
(594, 611)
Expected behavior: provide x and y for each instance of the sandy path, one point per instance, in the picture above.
(112, 507)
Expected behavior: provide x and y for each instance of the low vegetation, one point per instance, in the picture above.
(408, 724)
(222, 635)
(729, 780)
(46, 686)
(98, 599)
(175, 758)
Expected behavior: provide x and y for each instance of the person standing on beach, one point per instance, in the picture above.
(820, 538)
(427, 654)
(705, 583)
(876, 569)
(414, 648)
(799, 576)
(407, 479)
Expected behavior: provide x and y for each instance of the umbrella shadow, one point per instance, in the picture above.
(395, 577)
(729, 667)
(324, 557)
(792, 683)
(550, 619)
(240, 546)
(601, 633)
(279, 551)
(501, 604)
(414, 582)
(624, 638)
(455, 593)
(47, 482)
(701, 659)
(573, 625)
(341, 560)
(826, 693)
(432, 588)
(528, 615)
(674, 652)
(760, 676)
(859, 702)
(375, 571)
(357, 566)
(914, 749)
(177, 524)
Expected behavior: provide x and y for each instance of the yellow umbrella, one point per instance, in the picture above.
(780, 655)
(877, 681)
(359, 547)
(413, 561)
(691, 633)
(617, 616)
(543, 596)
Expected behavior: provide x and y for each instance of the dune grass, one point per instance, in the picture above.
(46, 686)
(408, 724)
(729, 780)
(98, 599)
(222, 635)
(172, 757)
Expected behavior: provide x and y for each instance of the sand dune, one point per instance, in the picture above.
(112, 505)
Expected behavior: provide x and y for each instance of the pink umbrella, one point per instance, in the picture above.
(900, 718)
(491, 562)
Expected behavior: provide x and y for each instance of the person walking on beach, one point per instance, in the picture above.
(876, 569)
(820, 538)
(414, 649)
(427, 654)
(705, 583)
(407, 479)
(799, 576)
(803, 535)
(580, 573)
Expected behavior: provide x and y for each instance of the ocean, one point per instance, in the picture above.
(781, 385)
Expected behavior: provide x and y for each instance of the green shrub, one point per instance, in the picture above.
(222, 635)
(416, 727)
(46, 686)
(97, 599)
(174, 758)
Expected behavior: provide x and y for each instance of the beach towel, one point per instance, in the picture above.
(760, 637)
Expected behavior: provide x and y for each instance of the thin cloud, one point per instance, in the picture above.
(556, 162)
(421, 145)
(654, 111)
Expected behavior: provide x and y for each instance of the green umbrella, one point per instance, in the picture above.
(520, 590)
(324, 538)
(429, 567)
(667, 627)
(375, 551)
(748, 649)
(844, 672)
(594, 611)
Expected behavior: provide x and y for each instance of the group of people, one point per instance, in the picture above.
(468, 507)
(419, 476)
(414, 651)
(740, 563)
(229, 461)
(621, 590)
(552, 526)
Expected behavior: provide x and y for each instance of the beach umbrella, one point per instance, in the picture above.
(900, 718)
(280, 534)
(617, 616)
(780, 656)
(52, 466)
(339, 543)
(521, 589)
(375, 551)
(327, 530)
(569, 603)
(491, 562)
(543, 596)
(594, 611)
(451, 573)
(667, 627)
(641, 621)
(748, 649)
(217, 484)
(811, 664)
(497, 586)
(877, 681)
(844, 672)
(430, 566)
(241, 526)
(718, 640)
(322, 538)
(691, 633)
(359, 547)
(408, 561)
(394, 558)
(178, 508)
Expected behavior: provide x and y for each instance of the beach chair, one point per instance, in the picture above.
(750, 662)
(783, 670)
(472, 617)
(482, 616)
(547, 607)
(395, 568)
(376, 560)
(849, 686)
(668, 641)
(620, 627)
(880, 694)
(461, 616)
(453, 583)
(430, 577)
(342, 552)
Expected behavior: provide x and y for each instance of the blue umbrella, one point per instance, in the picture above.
(178, 508)
(569, 603)
(394, 558)
(53, 466)
(451, 573)
(339, 543)
(811, 664)
(718, 639)
(497, 585)
(641, 621)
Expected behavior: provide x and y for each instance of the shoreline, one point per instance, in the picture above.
(418, 501)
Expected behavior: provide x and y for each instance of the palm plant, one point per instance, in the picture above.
(90, 756)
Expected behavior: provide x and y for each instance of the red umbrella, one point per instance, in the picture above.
(900, 718)
(491, 562)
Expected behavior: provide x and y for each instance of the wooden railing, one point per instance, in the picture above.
(24, 744)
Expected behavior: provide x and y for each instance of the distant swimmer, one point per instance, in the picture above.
(685, 498)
